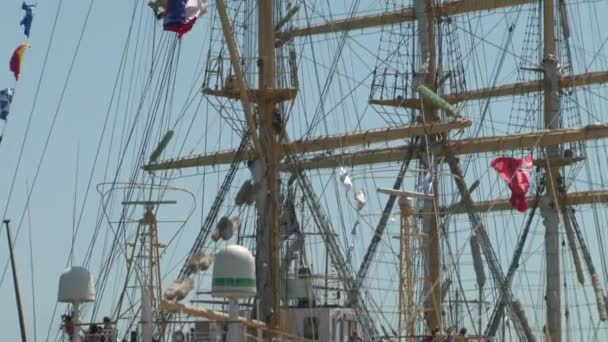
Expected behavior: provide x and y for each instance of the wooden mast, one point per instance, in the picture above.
(550, 206)
(267, 153)
(267, 203)
(426, 36)
(549, 138)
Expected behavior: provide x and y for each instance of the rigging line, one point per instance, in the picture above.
(34, 102)
(373, 246)
(494, 322)
(74, 206)
(170, 96)
(360, 83)
(170, 92)
(496, 77)
(213, 211)
(33, 279)
(119, 78)
(192, 95)
(44, 64)
(337, 56)
(597, 54)
(103, 130)
(115, 232)
(485, 40)
(106, 267)
(49, 135)
(455, 258)
(182, 146)
(179, 231)
(125, 147)
(140, 160)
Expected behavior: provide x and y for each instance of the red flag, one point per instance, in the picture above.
(516, 172)
(16, 59)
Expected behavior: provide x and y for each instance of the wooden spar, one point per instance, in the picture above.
(538, 138)
(464, 146)
(404, 15)
(15, 282)
(503, 204)
(514, 89)
(223, 317)
(240, 81)
(323, 143)
(404, 193)
(374, 136)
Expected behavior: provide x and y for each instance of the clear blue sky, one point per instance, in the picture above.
(78, 126)
(81, 117)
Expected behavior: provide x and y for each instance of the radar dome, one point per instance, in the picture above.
(234, 273)
(76, 285)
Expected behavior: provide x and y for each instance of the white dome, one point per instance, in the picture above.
(76, 285)
(234, 273)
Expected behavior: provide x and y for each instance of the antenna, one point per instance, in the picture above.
(146, 256)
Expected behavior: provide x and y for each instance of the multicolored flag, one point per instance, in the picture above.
(517, 173)
(28, 17)
(17, 59)
(180, 15)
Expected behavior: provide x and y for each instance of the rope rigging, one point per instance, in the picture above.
(504, 295)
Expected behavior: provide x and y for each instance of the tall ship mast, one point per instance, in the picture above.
(423, 50)
(381, 171)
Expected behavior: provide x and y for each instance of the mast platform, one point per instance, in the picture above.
(271, 95)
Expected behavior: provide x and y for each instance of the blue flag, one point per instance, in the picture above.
(28, 17)
(6, 97)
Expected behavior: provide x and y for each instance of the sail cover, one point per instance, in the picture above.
(516, 172)
(180, 15)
